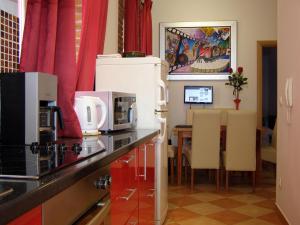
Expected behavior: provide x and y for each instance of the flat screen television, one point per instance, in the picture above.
(198, 94)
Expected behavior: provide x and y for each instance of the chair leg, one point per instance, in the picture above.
(192, 178)
(253, 180)
(172, 170)
(210, 175)
(185, 170)
(227, 181)
(222, 176)
(218, 179)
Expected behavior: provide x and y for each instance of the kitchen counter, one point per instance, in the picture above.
(28, 194)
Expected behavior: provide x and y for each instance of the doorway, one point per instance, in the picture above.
(266, 83)
(267, 105)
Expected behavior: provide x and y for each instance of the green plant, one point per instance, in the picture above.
(236, 80)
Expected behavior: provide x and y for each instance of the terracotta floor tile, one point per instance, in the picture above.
(206, 196)
(206, 187)
(175, 187)
(227, 203)
(184, 201)
(240, 206)
(180, 214)
(201, 221)
(252, 210)
(174, 195)
(187, 190)
(269, 204)
(248, 198)
(172, 206)
(254, 222)
(243, 189)
(229, 217)
(273, 218)
(171, 223)
(266, 194)
(204, 208)
(230, 193)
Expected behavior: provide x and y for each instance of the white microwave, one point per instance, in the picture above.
(121, 109)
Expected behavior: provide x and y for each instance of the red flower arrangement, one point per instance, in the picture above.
(236, 80)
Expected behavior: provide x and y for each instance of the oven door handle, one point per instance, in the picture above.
(6, 192)
(100, 217)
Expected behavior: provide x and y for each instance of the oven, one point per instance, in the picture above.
(87, 202)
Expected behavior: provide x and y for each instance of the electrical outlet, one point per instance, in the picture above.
(280, 183)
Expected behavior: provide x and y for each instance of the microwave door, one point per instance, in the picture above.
(124, 112)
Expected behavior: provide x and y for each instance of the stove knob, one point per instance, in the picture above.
(108, 178)
(76, 148)
(101, 183)
(62, 148)
(50, 148)
(34, 147)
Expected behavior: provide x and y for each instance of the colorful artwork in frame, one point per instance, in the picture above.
(198, 50)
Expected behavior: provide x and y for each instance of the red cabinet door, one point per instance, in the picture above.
(124, 188)
(134, 218)
(147, 192)
(32, 217)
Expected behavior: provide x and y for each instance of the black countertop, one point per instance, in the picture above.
(28, 194)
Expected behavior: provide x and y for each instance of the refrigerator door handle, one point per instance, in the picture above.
(161, 137)
(163, 86)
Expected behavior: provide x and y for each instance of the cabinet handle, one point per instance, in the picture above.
(152, 194)
(6, 192)
(128, 160)
(145, 163)
(132, 191)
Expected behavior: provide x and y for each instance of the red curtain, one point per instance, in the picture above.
(146, 27)
(131, 25)
(49, 46)
(91, 41)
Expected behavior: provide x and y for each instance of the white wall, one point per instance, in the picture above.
(288, 145)
(9, 6)
(111, 34)
(256, 21)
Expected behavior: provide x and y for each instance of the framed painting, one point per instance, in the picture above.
(199, 50)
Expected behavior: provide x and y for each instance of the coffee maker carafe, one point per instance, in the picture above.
(28, 108)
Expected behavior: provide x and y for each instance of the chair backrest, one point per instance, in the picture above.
(206, 139)
(189, 114)
(241, 141)
(274, 136)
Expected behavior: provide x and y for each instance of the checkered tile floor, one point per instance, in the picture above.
(205, 206)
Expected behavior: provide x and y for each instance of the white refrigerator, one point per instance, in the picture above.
(147, 77)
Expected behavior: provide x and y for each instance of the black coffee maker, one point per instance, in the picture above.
(28, 108)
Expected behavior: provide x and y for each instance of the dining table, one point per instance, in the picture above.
(184, 131)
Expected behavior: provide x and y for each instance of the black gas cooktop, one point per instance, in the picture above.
(36, 160)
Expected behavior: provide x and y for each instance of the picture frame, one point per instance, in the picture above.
(199, 50)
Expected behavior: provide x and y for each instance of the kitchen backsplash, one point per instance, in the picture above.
(9, 42)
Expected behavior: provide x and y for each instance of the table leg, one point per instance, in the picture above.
(258, 155)
(179, 157)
